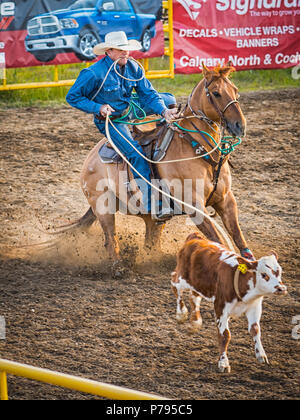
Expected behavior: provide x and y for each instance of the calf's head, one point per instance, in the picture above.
(268, 276)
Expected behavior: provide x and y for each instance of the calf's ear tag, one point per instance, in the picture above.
(243, 268)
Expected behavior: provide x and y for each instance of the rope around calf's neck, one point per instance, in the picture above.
(218, 227)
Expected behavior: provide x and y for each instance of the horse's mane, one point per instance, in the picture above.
(217, 72)
(223, 71)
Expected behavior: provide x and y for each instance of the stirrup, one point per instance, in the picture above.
(163, 215)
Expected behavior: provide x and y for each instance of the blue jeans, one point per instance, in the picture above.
(137, 161)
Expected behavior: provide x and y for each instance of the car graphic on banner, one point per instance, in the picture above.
(84, 24)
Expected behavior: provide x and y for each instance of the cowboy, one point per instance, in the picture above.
(105, 88)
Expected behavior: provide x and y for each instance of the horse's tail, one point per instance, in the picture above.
(83, 223)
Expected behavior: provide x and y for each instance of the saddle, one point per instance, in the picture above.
(154, 138)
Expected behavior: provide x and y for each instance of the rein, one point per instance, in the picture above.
(225, 140)
(224, 146)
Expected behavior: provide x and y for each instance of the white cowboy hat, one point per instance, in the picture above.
(117, 40)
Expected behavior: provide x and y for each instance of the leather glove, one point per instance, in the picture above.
(170, 114)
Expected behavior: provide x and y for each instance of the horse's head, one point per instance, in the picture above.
(218, 99)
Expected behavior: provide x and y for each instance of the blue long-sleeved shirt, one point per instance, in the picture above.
(116, 91)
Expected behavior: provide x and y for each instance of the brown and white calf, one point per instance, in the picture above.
(235, 285)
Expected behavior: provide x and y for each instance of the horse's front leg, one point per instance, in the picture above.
(203, 223)
(228, 211)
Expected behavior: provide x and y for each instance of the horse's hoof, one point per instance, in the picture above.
(118, 270)
(246, 253)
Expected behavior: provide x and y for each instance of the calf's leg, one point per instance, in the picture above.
(178, 289)
(224, 339)
(253, 316)
(195, 318)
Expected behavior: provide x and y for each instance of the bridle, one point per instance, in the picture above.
(201, 114)
(214, 104)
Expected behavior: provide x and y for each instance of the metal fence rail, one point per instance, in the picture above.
(68, 381)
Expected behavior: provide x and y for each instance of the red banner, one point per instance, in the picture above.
(252, 34)
(33, 33)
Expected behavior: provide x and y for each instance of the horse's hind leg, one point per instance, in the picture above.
(108, 224)
(153, 232)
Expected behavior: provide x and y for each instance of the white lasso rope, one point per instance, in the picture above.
(164, 161)
(219, 228)
(114, 64)
(125, 78)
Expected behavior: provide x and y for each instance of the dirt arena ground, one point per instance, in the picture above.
(65, 312)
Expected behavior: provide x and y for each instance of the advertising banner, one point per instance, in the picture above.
(36, 32)
(252, 34)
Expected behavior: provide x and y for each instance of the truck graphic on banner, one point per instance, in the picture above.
(84, 24)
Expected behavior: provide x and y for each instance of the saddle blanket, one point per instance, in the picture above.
(108, 155)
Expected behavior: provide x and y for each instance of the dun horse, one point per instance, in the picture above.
(212, 105)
